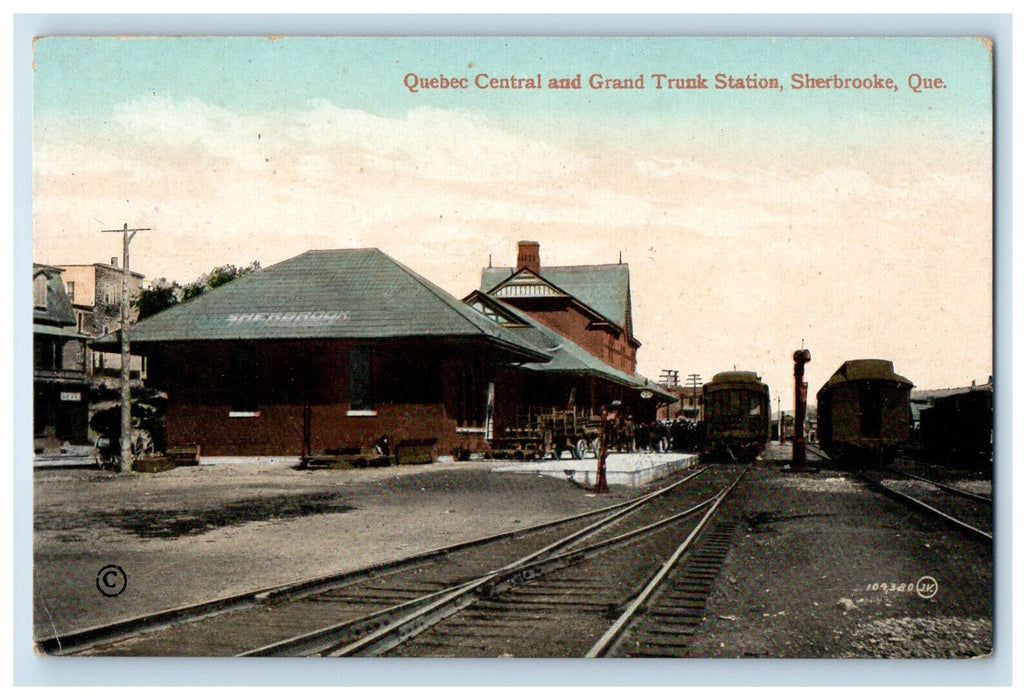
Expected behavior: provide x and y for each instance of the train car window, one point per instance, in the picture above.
(754, 406)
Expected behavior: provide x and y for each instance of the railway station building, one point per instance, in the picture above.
(334, 349)
(581, 316)
(573, 379)
(330, 349)
(589, 304)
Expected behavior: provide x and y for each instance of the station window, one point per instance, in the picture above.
(360, 379)
(244, 380)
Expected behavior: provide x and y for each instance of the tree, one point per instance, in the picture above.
(227, 273)
(162, 294)
(158, 296)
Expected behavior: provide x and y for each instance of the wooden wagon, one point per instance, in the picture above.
(550, 432)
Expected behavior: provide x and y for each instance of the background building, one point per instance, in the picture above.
(95, 292)
(60, 401)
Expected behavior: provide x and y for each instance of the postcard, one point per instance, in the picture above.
(513, 347)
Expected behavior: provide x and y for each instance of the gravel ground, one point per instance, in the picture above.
(826, 567)
(822, 566)
(197, 533)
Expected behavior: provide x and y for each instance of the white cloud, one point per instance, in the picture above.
(425, 143)
(442, 190)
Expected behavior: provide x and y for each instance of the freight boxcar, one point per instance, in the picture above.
(959, 428)
(864, 412)
(736, 408)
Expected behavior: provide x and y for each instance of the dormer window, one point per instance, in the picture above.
(496, 314)
(490, 313)
(39, 291)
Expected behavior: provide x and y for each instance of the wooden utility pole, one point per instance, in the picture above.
(669, 379)
(125, 463)
(800, 358)
(694, 381)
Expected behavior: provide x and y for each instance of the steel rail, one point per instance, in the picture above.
(922, 504)
(318, 641)
(80, 640)
(953, 489)
(818, 453)
(927, 463)
(612, 636)
(383, 622)
(419, 621)
(971, 529)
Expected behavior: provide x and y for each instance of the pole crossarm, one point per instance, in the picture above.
(133, 231)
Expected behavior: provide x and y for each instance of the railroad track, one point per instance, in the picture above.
(362, 600)
(666, 612)
(946, 487)
(966, 511)
(563, 605)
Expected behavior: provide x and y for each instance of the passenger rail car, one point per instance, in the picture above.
(864, 411)
(736, 407)
(959, 428)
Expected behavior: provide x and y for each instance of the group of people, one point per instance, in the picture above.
(620, 433)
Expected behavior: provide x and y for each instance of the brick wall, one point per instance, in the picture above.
(574, 324)
(293, 377)
(279, 429)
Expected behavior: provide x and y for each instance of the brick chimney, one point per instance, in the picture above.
(527, 256)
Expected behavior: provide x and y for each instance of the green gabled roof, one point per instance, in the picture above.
(350, 294)
(604, 288)
(565, 356)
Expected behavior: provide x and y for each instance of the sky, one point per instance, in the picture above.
(854, 222)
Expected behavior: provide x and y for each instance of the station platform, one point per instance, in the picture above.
(66, 456)
(622, 469)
